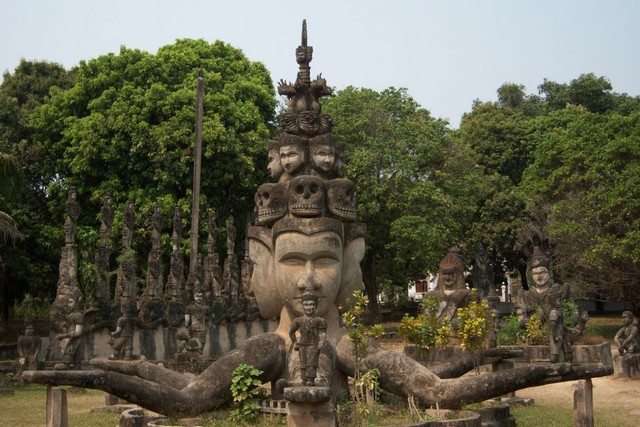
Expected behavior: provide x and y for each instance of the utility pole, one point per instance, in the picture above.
(197, 160)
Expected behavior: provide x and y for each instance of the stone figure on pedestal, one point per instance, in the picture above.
(196, 319)
(628, 337)
(72, 210)
(28, 347)
(313, 334)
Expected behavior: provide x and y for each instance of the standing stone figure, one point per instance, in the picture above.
(313, 334)
(29, 346)
(628, 338)
(230, 274)
(128, 225)
(561, 337)
(103, 252)
(121, 340)
(545, 295)
(196, 319)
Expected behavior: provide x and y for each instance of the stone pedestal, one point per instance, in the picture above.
(630, 364)
(57, 413)
(583, 404)
(310, 406)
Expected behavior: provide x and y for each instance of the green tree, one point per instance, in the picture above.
(417, 187)
(126, 127)
(31, 264)
(587, 169)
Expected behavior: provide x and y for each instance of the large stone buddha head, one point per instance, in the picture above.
(317, 255)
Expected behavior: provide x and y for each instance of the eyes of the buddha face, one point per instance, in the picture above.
(540, 275)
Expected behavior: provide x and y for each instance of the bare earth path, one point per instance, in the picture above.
(613, 395)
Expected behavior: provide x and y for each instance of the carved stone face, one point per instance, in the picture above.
(448, 277)
(274, 166)
(292, 158)
(540, 277)
(271, 203)
(198, 297)
(627, 319)
(28, 331)
(341, 199)
(305, 263)
(324, 157)
(309, 307)
(306, 196)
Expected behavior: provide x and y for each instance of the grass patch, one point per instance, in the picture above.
(27, 408)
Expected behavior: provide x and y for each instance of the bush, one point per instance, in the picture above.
(30, 308)
(425, 330)
(245, 386)
(510, 332)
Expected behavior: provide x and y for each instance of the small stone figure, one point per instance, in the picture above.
(122, 338)
(70, 340)
(196, 319)
(628, 338)
(322, 150)
(293, 156)
(128, 225)
(29, 346)
(312, 337)
(561, 336)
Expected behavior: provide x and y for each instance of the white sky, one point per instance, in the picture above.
(446, 53)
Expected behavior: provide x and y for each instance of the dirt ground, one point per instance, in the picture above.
(609, 393)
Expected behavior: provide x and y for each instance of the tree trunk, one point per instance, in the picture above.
(371, 285)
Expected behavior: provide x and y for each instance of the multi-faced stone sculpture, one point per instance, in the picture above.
(306, 196)
(293, 156)
(274, 166)
(28, 347)
(294, 256)
(341, 199)
(628, 337)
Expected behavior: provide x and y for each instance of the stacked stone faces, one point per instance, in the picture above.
(305, 161)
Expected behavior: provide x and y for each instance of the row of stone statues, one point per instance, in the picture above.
(182, 305)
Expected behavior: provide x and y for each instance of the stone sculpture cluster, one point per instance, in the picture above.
(306, 245)
(183, 308)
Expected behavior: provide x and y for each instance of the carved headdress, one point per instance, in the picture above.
(539, 259)
(309, 198)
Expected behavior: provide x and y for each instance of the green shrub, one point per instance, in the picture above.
(245, 386)
(510, 332)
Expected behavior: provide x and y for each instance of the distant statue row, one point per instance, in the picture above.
(184, 306)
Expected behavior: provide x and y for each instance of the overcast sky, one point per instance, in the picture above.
(446, 53)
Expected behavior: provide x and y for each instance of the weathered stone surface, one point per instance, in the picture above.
(463, 419)
(311, 414)
(57, 412)
(307, 394)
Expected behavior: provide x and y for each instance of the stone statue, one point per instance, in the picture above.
(628, 338)
(73, 330)
(545, 295)
(122, 338)
(230, 273)
(312, 337)
(28, 347)
(451, 290)
(128, 224)
(106, 217)
(561, 337)
(72, 210)
(196, 319)
(103, 252)
(176, 235)
(317, 252)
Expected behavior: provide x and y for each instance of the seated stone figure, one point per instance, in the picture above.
(28, 347)
(544, 295)
(628, 338)
(451, 290)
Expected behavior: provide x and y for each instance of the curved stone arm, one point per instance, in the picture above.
(404, 376)
(173, 394)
